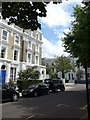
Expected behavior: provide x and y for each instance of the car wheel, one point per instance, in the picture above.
(35, 94)
(15, 97)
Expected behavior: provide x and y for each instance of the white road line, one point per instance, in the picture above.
(84, 108)
(30, 117)
(62, 105)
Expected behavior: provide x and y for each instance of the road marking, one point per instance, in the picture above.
(30, 117)
(63, 105)
(84, 108)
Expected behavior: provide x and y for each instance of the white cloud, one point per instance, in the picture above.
(59, 20)
(60, 33)
(51, 49)
(56, 15)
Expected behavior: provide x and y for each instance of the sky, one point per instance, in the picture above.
(57, 21)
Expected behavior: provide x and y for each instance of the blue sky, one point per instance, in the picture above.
(56, 22)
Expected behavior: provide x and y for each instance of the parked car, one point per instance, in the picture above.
(8, 93)
(36, 90)
(55, 85)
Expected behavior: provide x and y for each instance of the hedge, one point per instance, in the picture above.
(25, 83)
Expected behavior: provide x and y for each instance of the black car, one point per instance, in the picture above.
(55, 85)
(36, 90)
(8, 93)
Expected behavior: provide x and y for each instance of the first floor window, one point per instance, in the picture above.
(29, 44)
(17, 40)
(29, 58)
(15, 55)
(4, 35)
(37, 47)
(3, 51)
(36, 59)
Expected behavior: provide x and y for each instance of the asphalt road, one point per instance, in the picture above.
(68, 104)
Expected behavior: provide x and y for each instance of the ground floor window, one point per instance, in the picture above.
(12, 73)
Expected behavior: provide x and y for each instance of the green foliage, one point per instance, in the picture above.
(77, 41)
(26, 83)
(28, 74)
(24, 14)
(64, 63)
(80, 74)
(48, 69)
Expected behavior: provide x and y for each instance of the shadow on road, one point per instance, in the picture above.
(67, 104)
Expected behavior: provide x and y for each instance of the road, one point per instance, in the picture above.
(68, 104)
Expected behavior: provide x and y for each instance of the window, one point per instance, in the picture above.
(37, 47)
(17, 40)
(36, 59)
(3, 51)
(15, 55)
(29, 58)
(40, 37)
(33, 34)
(4, 35)
(12, 73)
(29, 44)
(37, 36)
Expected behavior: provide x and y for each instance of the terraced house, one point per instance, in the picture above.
(19, 50)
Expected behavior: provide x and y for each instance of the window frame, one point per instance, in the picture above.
(29, 45)
(4, 35)
(17, 55)
(36, 62)
(4, 52)
(29, 61)
(15, 43)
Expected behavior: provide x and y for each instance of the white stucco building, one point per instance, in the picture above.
(19, 50)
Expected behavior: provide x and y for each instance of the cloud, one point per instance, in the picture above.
(60, 32)
(58, 19)
(56, 14)
(51, 49)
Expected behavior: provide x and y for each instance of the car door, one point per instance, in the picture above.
(43, 88)
(5, 93)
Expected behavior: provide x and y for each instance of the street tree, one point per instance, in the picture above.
(64, 65)
(77, 42)
(28, 74)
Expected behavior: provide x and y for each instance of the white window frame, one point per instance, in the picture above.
(36, 62)
(37, 47)
(29, 46)
(17, 55)
(30, 58)
(37, 36)
(40, 37)
(4, 36)
(5, 52)
(18, 40)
